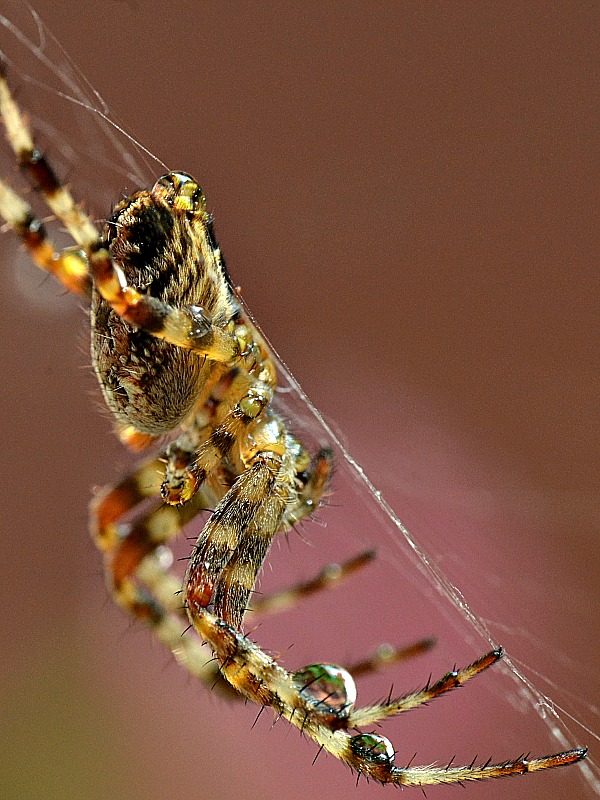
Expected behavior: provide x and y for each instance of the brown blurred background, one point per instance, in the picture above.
(407, 194)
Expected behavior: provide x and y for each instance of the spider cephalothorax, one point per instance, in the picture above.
(179, 361)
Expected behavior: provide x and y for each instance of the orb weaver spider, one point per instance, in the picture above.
(177, 357)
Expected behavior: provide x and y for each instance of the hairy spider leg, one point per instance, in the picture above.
(230, 550)
(370, 715)
(130, 552)
(260, 678)
(195, 453)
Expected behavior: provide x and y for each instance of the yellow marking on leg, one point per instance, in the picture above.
(59, 199)
(69, 266)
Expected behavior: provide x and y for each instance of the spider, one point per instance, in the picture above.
(179, 360)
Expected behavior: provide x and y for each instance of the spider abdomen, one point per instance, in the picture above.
(147, 382)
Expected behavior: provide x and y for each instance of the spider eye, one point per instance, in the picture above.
(181, 191)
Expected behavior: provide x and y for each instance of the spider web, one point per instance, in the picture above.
(358, 512)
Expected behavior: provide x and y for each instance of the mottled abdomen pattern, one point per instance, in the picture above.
(147, 382)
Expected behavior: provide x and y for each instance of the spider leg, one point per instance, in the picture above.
(115, 500)
(315, 481)
(327, 718)
(34, 163)
(369, 715)
(125, 544)
(277, 479)
(330, 576)
(232, 546)
(69, 266)
(373, 758)
(197, 451)
(386, 655)
(143, 537)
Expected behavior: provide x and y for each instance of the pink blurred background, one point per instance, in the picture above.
(407, 195)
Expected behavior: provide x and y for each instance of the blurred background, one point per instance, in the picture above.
(407, 195)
